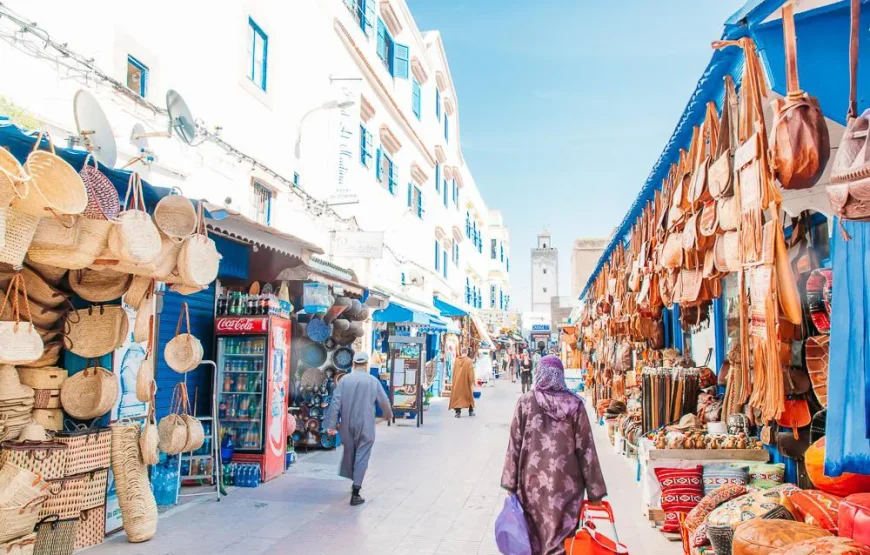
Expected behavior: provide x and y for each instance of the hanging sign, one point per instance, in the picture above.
(345, 132)
(358, 244)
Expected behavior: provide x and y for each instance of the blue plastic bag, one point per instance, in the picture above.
(511, 530)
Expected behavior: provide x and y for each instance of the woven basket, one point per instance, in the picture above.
(135, 238)
(198, 261)
(140, 287)
(95, 331)
(20, 343)
(50, 419)
(46, 399)
(132, 485)
(91, 240)
(145, 378)
(91, 530)
(19, 520)
(195, 433)
(184, 352)
(19, 546)
(149, 440)
(173, 427)
(46, 459)
(18, 235)
(41, 316)
(176, 217)
(94, 487)
(54, 184)
(19, 486)
(89, 448)
(38, 288)
(143, 327)
(14, 181)
(90, 393)
(55, 233)
(50, 355)
(103, 201)
(64, 497)
(99, 287)
(56, 536)
(42, 378)
(51, 274)
(50, 335)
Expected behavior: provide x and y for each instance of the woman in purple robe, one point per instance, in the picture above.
(551, 461)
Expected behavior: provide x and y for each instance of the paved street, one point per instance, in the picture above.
(431, 490)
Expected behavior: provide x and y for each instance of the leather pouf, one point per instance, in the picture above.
(762, 537)
(844, 485)
(824, 546)
(854, 518)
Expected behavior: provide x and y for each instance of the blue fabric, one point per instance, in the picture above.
(396, 313)
(448, 309)
(847, 447)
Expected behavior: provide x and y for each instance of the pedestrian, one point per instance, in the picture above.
(354, 398)
(526, 373)
(551, 460)
(514, 367)
(462, 390)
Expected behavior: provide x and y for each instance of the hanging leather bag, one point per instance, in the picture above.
(719, 176)
(799, 142)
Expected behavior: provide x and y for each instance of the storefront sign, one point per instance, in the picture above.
(540, 328)
(358, 244)
(346, 138)
(241, 326)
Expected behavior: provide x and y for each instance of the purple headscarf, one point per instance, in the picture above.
(550, 375)
(551, 393)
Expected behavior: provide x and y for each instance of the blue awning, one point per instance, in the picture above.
(448, 309)
(396, 313)
(437, 324)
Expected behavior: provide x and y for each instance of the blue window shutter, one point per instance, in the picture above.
(438, 104)
(437, 176)
(382, 39)
(415, 97)
(444, 263)
(437, 257)
(419, 203)
(378, 171)
(409, 195)
(446, 128)
(445, 194)
(401, 61)
(369, 18)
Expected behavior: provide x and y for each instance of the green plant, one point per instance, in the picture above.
(17, 115)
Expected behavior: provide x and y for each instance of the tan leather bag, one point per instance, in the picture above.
(672, 253)
(728, 211)
(786, 285)
(726, 253)
(693, 287)
(719, 176)
(706, 149)
(799, 142)
(708, 221)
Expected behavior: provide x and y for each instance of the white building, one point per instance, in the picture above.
(545, 275)
(270, 75)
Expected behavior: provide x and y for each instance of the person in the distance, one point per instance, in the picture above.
(462, 386)
(354, 398)
(526, 372)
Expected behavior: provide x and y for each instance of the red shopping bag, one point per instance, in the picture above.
(588, 540)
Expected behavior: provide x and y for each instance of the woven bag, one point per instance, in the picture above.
(19, 546)
(51, 274)
(92, 527)
(45, 458)
(99, 287)
(46, 399)
(18, 235)
(55, 233)
(143, 327)
(20, 343)
(94, 488)
(103, 201)
(19, 520)
(96, 330)
(64, 497)
(42, 316)
(55, 186)
(195, 432)
(50, 419)
(89, 448)
(38, 288)
(135, 237)
(184, 352)
(176, 217)
(132, 485)
(145, 384)
(50, 356)
(149, 440)
(19, 487)
(91, 239)
(140, 287)
(199, 259)
(14, 181)
(172, 427)
(90, 393)
(42, 378)
(56, 536)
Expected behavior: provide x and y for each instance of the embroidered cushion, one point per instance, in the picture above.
(749, 506)
(760, 536)
(718, 475)
(695, 522)
(682, 490)
(824, 546)
(817, 508)
(765, 476)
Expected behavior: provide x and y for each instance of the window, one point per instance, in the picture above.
(437, 255)
(365, 146)
(438, 104)
(507, 263)
(444, 264)
(467, 224)
(545, 271)
(387, 172)
(501, 299)
(545, 289)
(446, 129)
(296, 179)
(261, 203)
(456, 253)
(415, 200)
(492, 296)
(467, 291)
(415, 97)
(396, 57)
(445, 194)
(258, 53)
(364, 13)
(437, 177)
(455, 194)
(137, 76)
(493, 245)
(501, 247)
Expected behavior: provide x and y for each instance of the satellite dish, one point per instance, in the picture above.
(94, 128)
(180, 118)
(139, 138)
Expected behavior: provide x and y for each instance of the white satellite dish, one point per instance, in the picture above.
(180, 121)
(94, 129)
(139, 139)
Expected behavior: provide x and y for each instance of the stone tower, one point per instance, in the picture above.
(545, 274)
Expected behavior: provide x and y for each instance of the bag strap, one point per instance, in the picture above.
(790, 41)
(48, 139)
(134, 192)
(854, 33)
(184, 314)
(14, 290)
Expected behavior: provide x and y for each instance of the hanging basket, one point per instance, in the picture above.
(176, 217)
(198, 259)
(173, 427)
(20, 343)
(103, 201)
(18, 235)
(132, 485)
(91, 239)
(14, 181)
(55, 186)
(99, 287)
(96, 330)
(38, 288)
(149, 440)
(145, 384)
(55, 233)
(51, 274)
(144, 325)
(50, 355)
(135, 237)
(184, 352)
(90, 393)
(139, 288)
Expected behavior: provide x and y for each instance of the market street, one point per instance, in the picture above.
(430, 490)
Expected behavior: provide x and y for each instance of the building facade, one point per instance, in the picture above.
(545, 275)
(560, 310)
(348, 109)
(584, 256)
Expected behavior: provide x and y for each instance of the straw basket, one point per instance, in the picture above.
(19, 520)
(99, 287)
(46, 399)
(19, 486)
(50, 355)
(184, 352)
(140, 287)
(135, 238)
(185, 290)
(42, 378)
(48, 335)
(55, 186)
(14, 181)
(144, 324)
(55, 233)
(176, 217)
(42, 316)
(92, 527)
(38, 288)
(64, 498)
(95, 331)
(18, 235)
(20, 343)
(89, 448)
(19, 546)
(173, 429)
(103, 201)
(145, 378)
(47, 458)
(55, 535)
(89, 393)
(91, 239)
(132, 485)
(199, 259)
(50, 419)
(149, 440)
(51, 274)
(94, 488)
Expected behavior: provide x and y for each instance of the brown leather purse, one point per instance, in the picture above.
(705, 150)
(719, 176)
(799, 142)
(849, 191)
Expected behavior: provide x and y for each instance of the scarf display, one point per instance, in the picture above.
(668, 394)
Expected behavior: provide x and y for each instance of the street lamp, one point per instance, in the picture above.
(328, 105)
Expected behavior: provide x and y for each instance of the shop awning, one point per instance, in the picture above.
(447, 309)
(482, 334)
(323, 272)
(437, 324)
(237, 227)
(396, 313)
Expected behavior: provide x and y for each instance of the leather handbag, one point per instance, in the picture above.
(672, 253)
(728, 212)
(817, 349)
(726, 252)
(799, 142)
(706, 149)
(708, 222)
(719, 176)
(853, 519)
(786, 284)
(849, 190)
(796, 415)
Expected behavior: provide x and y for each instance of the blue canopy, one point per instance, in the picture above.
(437, 324)
(448, 309)
(396, 313)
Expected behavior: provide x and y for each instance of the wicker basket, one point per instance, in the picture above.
(64, 497)
(91, 241)
(90, 393)
(46, 459)
(39, 289)
(99, 287)
(173, 427)
(54, 184)
(50, 419)
(56, 536)
(132, 485)
(20, 343)
(50, 377)
(140, 288)
(19, 486)
(55, 233)
(46, 399)
(149, 440)
(135, 238)
(89, 449)
(95, 331)
(91, 530)
(198, 261)
(103, 201)
(50, 355)
(19, 546)
(41, 316)
(18, 235)
(184, 352)
(145, 385)
(143, 327)
(14, 181)
(176, 217)
(195, 432)
(19, 521)
(94, 488)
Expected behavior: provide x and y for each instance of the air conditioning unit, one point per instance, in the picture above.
(415, 277)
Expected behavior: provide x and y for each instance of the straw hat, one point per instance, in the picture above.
(33, 432)
(10, 385)
(688, 422)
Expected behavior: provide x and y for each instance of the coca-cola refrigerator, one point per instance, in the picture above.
(253, 357)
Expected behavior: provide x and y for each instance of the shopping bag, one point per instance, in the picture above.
(511, 530)
(588, 540)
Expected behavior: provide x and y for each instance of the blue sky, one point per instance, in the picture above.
(565, 105)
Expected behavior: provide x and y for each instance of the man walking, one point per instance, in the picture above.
(354, 398)
(462, 390)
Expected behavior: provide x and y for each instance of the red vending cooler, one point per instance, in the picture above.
(253, 355)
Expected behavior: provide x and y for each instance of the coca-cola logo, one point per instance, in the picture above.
(240, 325)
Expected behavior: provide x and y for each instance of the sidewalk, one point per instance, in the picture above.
(433, 490)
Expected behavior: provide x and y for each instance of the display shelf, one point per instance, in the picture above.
(241, 392)
(756, 455)
(258, 372)
(240, 355)
(242, 420)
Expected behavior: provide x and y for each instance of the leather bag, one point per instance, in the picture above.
(719, 176)
(799, 142)
(706, 149)
(796, 414)
(854, 518)
(708, 222)
(726, 252)
(672, 253)
(817, 351)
